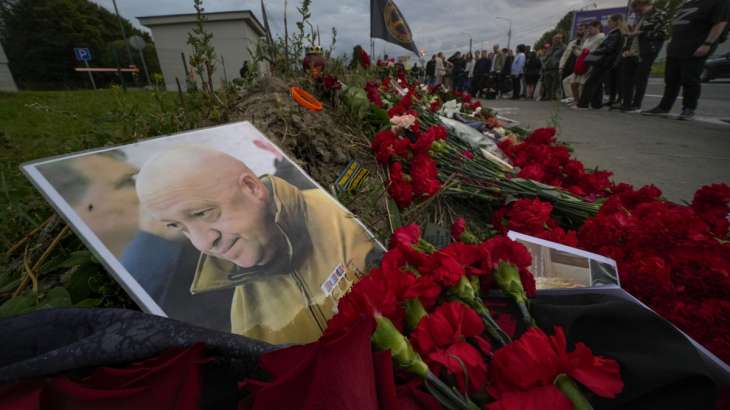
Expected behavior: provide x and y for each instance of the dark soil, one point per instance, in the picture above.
(322, 143)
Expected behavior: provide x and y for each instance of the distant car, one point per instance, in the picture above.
(716, 67)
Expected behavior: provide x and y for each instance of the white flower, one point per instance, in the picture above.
(450, 108)
(402, 122)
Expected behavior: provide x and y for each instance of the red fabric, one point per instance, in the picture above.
(168, 381)
(337, 372)
(580, 63)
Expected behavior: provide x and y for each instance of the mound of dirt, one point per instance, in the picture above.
(322, 143)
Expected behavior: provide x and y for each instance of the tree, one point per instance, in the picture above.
(203, 58)
(563, 27)
(39, 37)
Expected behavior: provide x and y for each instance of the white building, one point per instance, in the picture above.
(235, 35)
(6, 78)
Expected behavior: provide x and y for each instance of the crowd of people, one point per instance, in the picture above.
(599, 66)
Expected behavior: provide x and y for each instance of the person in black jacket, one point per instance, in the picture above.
(607, 57)
(642, 47)
(458, 73)
(481, 71)
(533, 66)
(506, 79)
(697, 28)
(431, 70)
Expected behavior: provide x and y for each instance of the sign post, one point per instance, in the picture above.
(84, 54)
(139, 44)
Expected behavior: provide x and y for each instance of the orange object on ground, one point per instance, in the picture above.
(305, 99)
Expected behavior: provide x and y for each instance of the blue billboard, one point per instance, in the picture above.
(602, 15)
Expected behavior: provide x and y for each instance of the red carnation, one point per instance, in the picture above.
(542, 136)
(503, 249)
(441, 338)
(399, 186)
(458, 228)
(424, 172)
(532, 171)
(529, 366)
(712, 204)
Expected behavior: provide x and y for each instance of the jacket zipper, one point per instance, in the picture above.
(313, 309)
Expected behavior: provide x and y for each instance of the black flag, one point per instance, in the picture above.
(388, 23)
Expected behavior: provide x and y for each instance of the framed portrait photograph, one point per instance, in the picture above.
(215, 227)
(557, 266)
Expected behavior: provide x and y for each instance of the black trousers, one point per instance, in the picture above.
(682, 73)
(516, 85)
(614, 81)
(635, 72)
(629, 68)
(593, 89)
(641, 78)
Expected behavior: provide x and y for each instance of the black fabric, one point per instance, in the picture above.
(635, 73)
(533, 66)
(430, 68)
(661, 369)
(593, 89)
(629, 68)
(682, 73)
(692, 23)
(609, 51)
(614, 82)
(516, 86)
(653, 30)
(52, 341)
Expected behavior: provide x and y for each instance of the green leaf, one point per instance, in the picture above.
(89, 303)
(78, 285)
(17, 305)
(10, 286)
(56, 298)
(78, 258)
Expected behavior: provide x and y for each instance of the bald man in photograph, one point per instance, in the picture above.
(278, 246)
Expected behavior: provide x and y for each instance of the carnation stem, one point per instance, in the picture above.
(492, 326)
(447, 396)
(526, 317)
(566, 385)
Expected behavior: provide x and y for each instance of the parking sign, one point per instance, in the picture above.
(82, 54)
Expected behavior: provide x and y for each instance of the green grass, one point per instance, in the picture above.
(35, 125)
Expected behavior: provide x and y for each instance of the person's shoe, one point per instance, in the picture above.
(656, 111)
(566, 100)
(686, 115)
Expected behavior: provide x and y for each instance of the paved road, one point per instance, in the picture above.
(677, 156)
(714, 104)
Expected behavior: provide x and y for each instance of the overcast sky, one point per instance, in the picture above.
(444, 25)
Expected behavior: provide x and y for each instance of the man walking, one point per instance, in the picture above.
(551, 70)
(696, 29)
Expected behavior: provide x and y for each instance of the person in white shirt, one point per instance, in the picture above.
(567, 64)
(518, 68)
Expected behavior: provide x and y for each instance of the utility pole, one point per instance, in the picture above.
(124, 33)
(509, 31)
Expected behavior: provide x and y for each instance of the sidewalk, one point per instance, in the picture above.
(677, 156)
